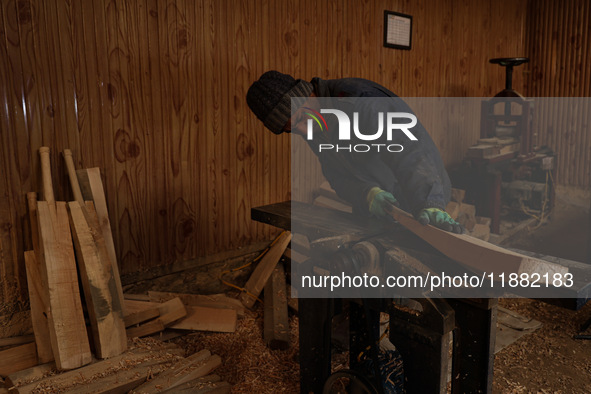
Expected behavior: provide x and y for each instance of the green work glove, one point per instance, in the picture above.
(440, 219)
(380, 201)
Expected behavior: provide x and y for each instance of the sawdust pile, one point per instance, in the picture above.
(248, 364)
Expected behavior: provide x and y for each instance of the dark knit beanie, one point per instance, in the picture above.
(270, 98)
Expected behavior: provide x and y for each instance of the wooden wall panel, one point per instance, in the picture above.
(558, 41)
(153, 92)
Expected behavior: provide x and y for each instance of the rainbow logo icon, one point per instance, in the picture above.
(317, 117)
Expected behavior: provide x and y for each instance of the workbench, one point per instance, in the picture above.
(423, 339)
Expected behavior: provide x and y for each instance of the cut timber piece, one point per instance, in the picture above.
(141, 316)
(481, 231)
(100, 289)
(467, 216)
(63, 381)
(67, 330)
(29, 375)
(264, 269)
(220, 301)
(14, 341)
(475, 253)
(38, 298)
(276, 322)
(92, 189)
(327, 202)
(202, 386)
(457, 195)
(170, 312)
(453, 209)
(192, 367)
(17, 358)
(207, 319)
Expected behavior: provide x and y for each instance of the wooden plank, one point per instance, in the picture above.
(92, 189)
(207, 319)
(146, 329)
(475, 253)
(201, 386)
(67, 330)
(170, 312)
(220, 301)
(26, 376)
(276, 333)
(166, 379)
(17, 358)
(193, 367)
(327, 202)
(141, 316)
(263, 271)
(38, 298)
(100, 289)
(18, 340)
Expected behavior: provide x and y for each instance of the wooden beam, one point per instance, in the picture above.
(475, 253)
(180, 373)
(100, 290)
(263, 271)
(91, 185)
(170, 312)
(276, 321)
(18, 358)
(210, 384)
(29, 375)
(220, 301)
(207, 319)
(67, 330)
(141, 316)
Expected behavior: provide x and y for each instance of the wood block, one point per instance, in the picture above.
(276, 322)
(67, 330)
(263, 271)
(177, 374)
(38, 298)
(141, 316)
(481, 231)
(207, 319)
(458, 195)
(483, 220)
(220, 301)
(91, 185)
(100, 289)
(475, 253)
(18, 358)
(202, 387)
(30, 374)
(453, 209)
(170, 312)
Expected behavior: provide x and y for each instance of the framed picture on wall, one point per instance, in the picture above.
(397, 30)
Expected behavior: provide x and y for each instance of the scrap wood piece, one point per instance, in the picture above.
(29, 375)
(67, 330)
(100, 368)
(475, 253)
(192, 367)
(170, 312)
(102, 301)
(18, 358)
(211, 384)
(141, 316)
(276, 332)
(220, 301)
(207, 319)
(91, 185)
(327, 202)
(263, 270)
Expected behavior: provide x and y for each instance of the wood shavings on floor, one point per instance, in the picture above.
(248, 364)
